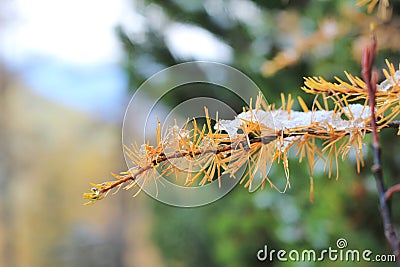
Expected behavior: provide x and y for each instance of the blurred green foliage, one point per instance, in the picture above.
(230, 231)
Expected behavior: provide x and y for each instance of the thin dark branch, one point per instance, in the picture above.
(370, 80)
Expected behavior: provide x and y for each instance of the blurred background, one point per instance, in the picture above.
(67, 72)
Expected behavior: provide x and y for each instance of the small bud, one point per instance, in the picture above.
(95, 190)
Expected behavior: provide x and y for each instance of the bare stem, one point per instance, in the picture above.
(370, 80)
(390, 192)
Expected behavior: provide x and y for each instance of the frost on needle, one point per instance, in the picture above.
(335, 124)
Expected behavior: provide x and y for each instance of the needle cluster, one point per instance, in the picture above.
(263, 134)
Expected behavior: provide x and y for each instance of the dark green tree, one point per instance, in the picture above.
(231, 231)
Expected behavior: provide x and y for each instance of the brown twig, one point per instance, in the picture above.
(225, 147)
(163, 158)
(370, 80)
(390, 192)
